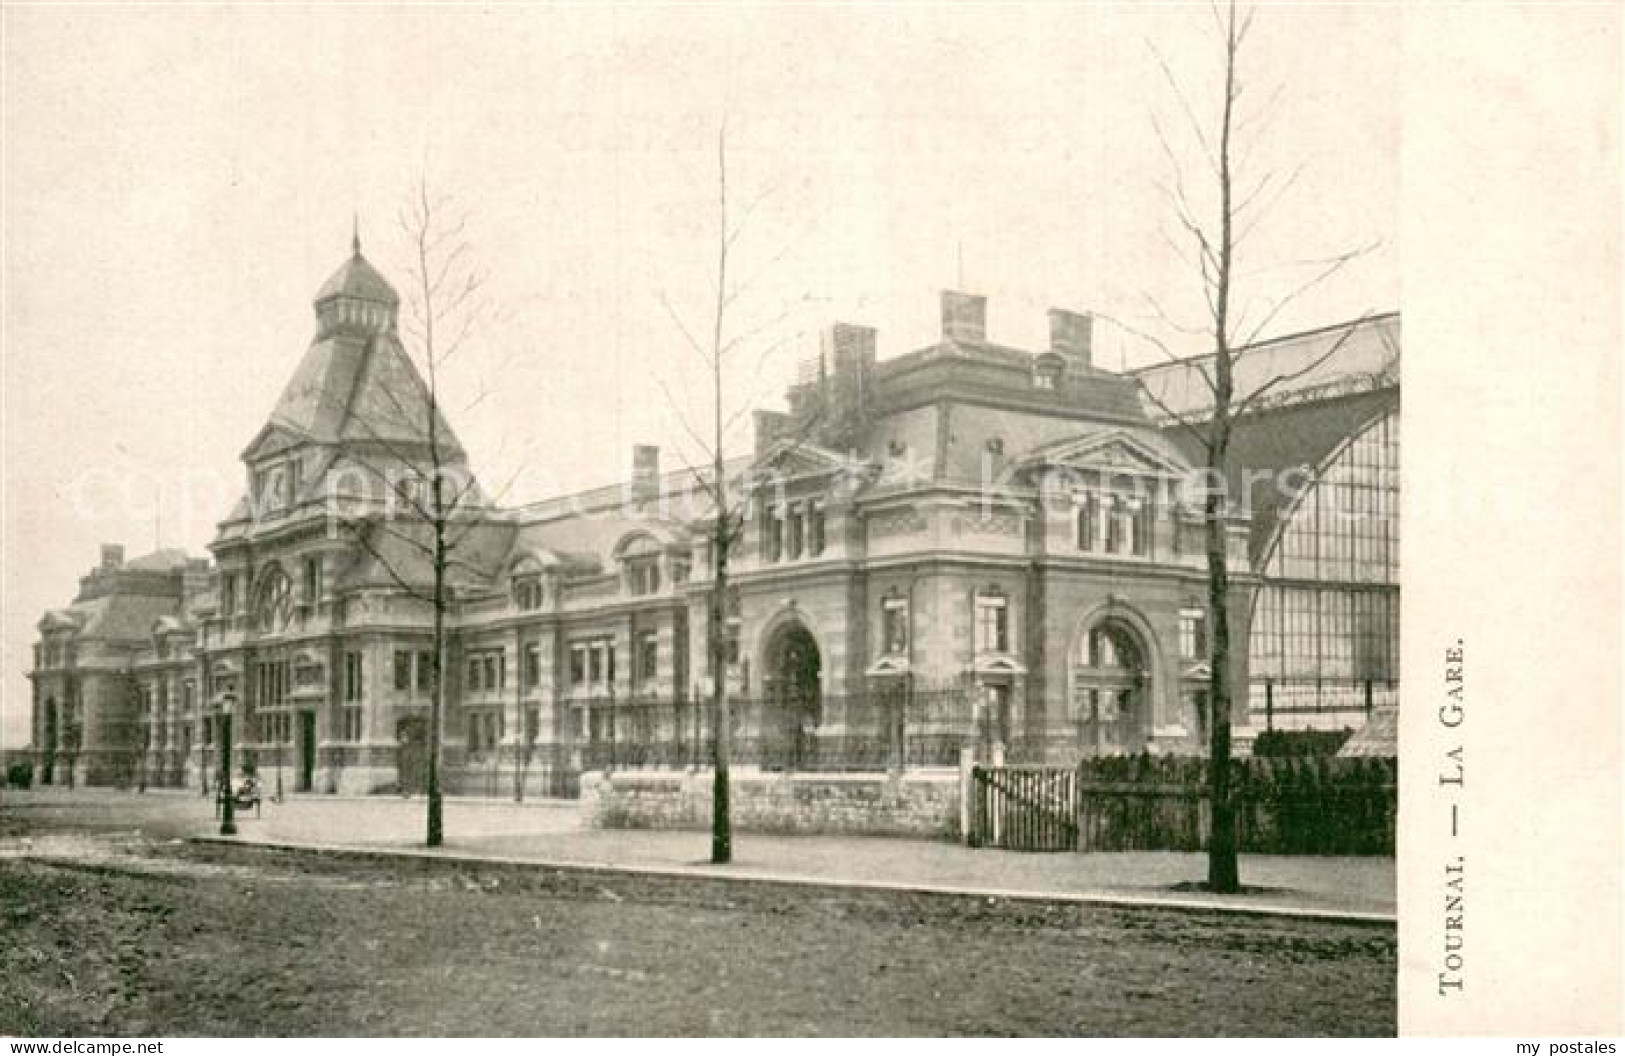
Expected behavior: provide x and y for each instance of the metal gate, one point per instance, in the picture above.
(1024, 808)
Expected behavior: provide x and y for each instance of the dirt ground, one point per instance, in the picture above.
(128, 935)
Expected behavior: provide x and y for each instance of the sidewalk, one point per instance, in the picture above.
(548, 833)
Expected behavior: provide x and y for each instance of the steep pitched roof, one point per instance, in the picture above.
(358, 278)
(351, 387)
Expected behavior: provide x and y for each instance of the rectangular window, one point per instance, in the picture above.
(1193, 634)
(793, 525)
(313, 579)
(648, 656)
(592, 664)
(1114, 525)
(815, 528)
(533, 666)
(493, 671)
(353, 676)
(774, 550)
(403, 670)
(425, 671)
(228, 594)
(894, 625)
(351, 718)
(992, 625)
(473, 681)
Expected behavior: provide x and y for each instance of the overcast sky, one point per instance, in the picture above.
(179, 181)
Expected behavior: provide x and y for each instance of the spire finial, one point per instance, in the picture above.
(355, 234)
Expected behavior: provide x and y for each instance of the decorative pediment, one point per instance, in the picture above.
(998, 665)
(789, 459)
(890, 664)
(1115, 451)
(272, 440)
(1202, 672)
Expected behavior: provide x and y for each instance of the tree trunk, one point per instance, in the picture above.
(721, 823)
(437, 705)
(1222, 872)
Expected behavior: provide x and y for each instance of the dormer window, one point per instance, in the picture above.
(640, 559)
(643, 576)
(527, 594)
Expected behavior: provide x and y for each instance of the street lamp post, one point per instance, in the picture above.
(228, 814)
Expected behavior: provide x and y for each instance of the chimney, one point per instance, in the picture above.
(112, 556)
(849, 349)
(1070, 336)
(964, 316)
(645, 473)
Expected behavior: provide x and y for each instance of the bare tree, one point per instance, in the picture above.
(1211, 247)
(431, 502)
(720, 347)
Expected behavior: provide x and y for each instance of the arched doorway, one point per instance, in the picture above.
(794, 707)
(1111, 683)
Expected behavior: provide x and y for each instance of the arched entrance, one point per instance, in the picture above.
(1111, 689)
(794, 705)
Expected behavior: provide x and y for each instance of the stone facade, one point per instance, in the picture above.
(923, 805)
(1005, 534)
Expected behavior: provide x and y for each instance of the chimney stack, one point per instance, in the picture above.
(645, 472)
(112, 556)
(1070, 336)
(964, 316)
(849, 349)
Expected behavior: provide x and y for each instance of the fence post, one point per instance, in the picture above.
(897, 726)
(1269, 705)
(967, 783)
(1368, 699)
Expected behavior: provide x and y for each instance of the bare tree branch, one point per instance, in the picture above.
(1252, 399)
(1331, 266)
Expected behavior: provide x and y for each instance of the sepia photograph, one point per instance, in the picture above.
(743, 520)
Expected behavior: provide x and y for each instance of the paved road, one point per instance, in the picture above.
(551, 832)
(124, 932)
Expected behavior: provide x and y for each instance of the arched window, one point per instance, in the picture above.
(1325, 626)
(640, 562)
(1108, 648)
(273, 601)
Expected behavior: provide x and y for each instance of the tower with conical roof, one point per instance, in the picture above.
(356, 405)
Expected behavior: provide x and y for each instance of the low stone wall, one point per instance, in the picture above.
(918, 804)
